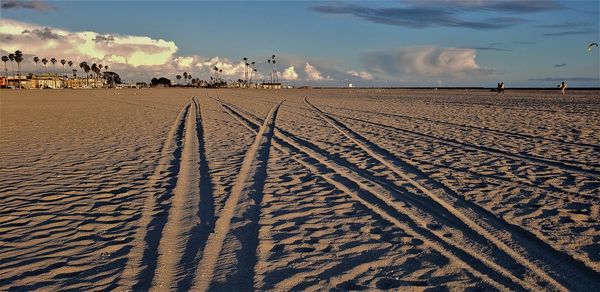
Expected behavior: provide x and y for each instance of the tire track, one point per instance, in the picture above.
(248, 186)
(463, 145)
(183, 233)
(141, 262)
(382, 202)
(515, 179)
(554, 262)
(206, 210)
(451, 124)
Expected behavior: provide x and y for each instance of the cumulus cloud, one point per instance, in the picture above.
(35, 5)
(313, 73)
(289, 74)
(141, 57)
(128, 49)
(184, 62)
(424, 62)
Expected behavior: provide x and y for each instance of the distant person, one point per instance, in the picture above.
(501, 88)
(563, 87)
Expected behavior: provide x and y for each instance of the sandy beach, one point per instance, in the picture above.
(299, 189)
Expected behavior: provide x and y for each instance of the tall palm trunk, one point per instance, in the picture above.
(19, 73)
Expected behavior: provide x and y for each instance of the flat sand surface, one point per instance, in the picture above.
(317, 189)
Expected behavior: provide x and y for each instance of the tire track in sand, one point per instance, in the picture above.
(141, 263)
(248, 186)
(382, 202)
(471, 127)
(564, 165)
(187, 226)
(556, 268)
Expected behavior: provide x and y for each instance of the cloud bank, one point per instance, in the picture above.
(137, 57)
(86, 45)
(425, 63)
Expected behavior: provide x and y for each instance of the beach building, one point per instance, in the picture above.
(46, 82)
(271, 85)
(13, 81)
(49, 81)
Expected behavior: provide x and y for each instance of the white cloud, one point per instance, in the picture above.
(313, 74)
(42, 41)
(289, 74)
(362, 74)
(136, 57)
(184, 62)
(425, 62)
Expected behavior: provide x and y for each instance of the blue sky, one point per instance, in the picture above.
(399, 43)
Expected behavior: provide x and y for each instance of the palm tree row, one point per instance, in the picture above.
(250, 70)
(274, 77)
(18, 58)
(186, 77)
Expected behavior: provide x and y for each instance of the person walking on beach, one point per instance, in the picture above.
(562, 87)
(501, 88)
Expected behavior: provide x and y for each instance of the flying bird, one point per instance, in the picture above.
(590, 46)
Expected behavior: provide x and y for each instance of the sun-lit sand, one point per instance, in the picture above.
(311, 189)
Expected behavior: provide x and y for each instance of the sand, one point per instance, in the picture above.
(193, 189)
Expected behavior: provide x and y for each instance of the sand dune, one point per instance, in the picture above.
(180, 189)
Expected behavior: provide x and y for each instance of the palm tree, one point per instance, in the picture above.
(45, 61)
(271, 74)
(95, 70)
(74, 74)
(216, 72)
(84, 66)
(87, 69)
(19, 59)
(70, 63)
(178, 77)
(100, 71)
(63, 62)
(245, 69)
(105, 68)
(53, 60)
(189, 77)
(5, 59)
(274, 74)
(36, 60)
(12, 59)
(185, 75)
(252, 70)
